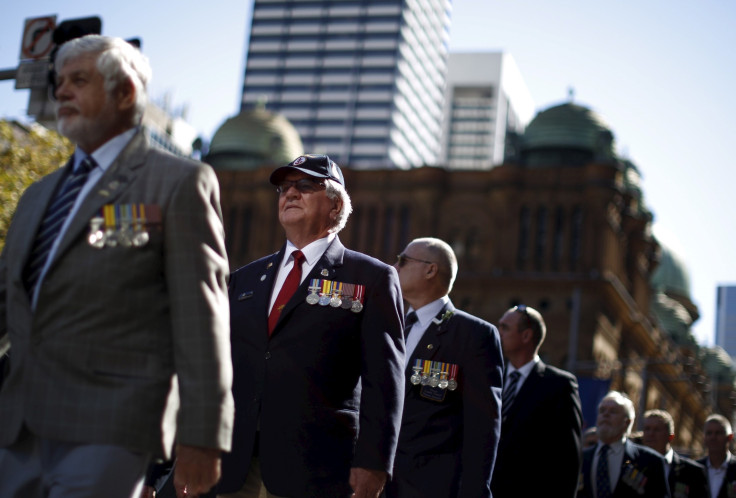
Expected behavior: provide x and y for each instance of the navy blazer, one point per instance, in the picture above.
(323, 373)
(642, 474)
(448, 439)
(687, 478)
(546, 411)
(728, 482)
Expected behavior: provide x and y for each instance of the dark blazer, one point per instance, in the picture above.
(94, 362)
(323, 373)
(645, 466)
(546, 411)
(687, 478)
(447, 445)
(728, 482)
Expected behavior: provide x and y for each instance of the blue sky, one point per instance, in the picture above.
(661, 73)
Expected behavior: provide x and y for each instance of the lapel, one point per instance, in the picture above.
(32, 218)
(110, 186)
(630, 457)
(430, 343)
(261, 292)
(326, 267)
(527, 394)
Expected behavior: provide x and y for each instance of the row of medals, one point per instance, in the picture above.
(125, 236)
(436, 379)
(335, 300)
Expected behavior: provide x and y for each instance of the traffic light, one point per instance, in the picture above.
(76, 28)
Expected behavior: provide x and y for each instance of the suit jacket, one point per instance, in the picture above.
(687, 478)
(642, 474)
(729, 482)
(448, 439)
(546, 411)
(323, 373)
(94, 362)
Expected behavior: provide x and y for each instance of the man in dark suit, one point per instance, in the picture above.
(686, 477)
(452, 407)
(617, 467)
(112, 293)
(318, 353)
(720, 463)
(543, 400)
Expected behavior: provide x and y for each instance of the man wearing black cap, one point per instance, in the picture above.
(318, 353)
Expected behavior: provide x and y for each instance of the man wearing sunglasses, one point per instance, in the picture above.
(452, 407)
(318, 353)
(540, 403)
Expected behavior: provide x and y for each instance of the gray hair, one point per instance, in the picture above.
(117, 61)
(444, 257)
(335, 190)
(622, 400)
(721, 420)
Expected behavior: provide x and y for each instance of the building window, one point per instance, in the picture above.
(558, 238)
(541, 242)
(522, 253)
(576, 234)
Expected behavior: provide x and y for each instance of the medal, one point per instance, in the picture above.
(96, 236)
(357, 305)
(140, 235)
(415, 377)
(443, 380)
(452, 383)
(347, 295)
(110, 226)
(434, 380)
(125, 234)
(314, 286)
(324, 297)
(425, 373)
(335, 301)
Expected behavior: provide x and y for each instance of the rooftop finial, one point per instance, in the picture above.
(570, 93)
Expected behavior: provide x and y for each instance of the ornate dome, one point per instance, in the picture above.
(671, 275)
(566, 134)
(254, 138)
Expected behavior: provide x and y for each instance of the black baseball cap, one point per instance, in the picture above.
(317, 165)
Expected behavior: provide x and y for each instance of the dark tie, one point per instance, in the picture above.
(53, 220)
(293, 279)
(509, 393)
(409, 321)
(602, 481)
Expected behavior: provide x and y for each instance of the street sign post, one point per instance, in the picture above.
(38, 37)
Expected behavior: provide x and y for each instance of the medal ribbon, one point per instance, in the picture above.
(359, 292)
(327, 287)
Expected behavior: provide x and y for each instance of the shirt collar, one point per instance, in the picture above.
(723, 466)
(525, 369)
(426, 313)
(669, 456)
(312, 251)
(614, 447)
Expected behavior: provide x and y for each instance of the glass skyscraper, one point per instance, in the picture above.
(360, 80)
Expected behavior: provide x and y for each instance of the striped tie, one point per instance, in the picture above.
(53, 220)
(509, 393)
(602, 481)
(409, 321)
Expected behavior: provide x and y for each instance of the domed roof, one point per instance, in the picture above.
(569, 127)
(254, 138)
(671, 276)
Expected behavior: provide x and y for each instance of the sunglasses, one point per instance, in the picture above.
(403, 258)
(303, 185)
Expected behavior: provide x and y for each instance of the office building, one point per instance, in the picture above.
(485, 98)
(726, 318)
(360, 80)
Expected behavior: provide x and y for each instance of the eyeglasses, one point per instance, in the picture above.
(303, 185)
(521, 308)
(403, 258)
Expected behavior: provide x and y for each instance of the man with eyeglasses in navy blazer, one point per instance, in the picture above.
(318, 371)
(544, 406)
(452, 407)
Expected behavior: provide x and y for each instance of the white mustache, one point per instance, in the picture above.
(72, 107)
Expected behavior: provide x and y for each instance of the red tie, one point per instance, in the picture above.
(293, 279)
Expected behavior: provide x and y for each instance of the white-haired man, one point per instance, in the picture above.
(113, 285)
(686, 478)
(617, 467)
(720, 463)
(318, 353)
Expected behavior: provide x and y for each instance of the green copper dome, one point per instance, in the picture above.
(671, 275)
(252, 139)
(567, 134)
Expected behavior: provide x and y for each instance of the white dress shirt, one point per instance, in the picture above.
(523, 370)
(615, 459)
(312, 253)
(425, 314)
(716, 475)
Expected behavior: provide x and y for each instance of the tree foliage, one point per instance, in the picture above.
(27, 153)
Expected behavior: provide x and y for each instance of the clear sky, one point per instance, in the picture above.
(662, 73)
